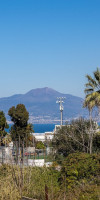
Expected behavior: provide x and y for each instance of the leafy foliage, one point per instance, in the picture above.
(79, 166)
(3, 126)
(40, 145)
(78, 179)
(72, 138)
(92, 90)
(81, 174)
(21, 129)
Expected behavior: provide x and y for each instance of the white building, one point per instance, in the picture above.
(39, 136)
(46, 136)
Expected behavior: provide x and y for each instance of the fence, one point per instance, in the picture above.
(27, 156)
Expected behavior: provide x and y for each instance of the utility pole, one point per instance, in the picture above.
(60, 101)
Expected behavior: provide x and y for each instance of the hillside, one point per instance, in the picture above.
(42, 107)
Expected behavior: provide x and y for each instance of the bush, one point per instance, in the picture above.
(78, 179)
(8, 190)
(81, 166)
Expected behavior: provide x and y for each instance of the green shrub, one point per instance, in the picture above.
(78, 166)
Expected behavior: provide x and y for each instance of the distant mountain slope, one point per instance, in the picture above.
(42, 107)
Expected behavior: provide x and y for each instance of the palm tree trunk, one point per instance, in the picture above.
(91, 131)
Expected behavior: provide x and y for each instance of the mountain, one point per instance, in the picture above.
(42, 107)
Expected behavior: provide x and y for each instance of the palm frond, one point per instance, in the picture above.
(91, 80)
(88, 90)
(97, 76)
(89, 85)
(92, 90)
(89, 104)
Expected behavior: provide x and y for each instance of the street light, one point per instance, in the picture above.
(60, 100)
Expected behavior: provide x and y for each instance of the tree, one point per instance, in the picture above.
(72, 138)
(92, 90)
(21, 129)
(92, 98)
(3, 126)
(40, 145)
(6, 140)
(80, 166)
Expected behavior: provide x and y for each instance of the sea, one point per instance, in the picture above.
(40, 128)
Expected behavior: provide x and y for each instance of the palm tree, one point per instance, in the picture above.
(92, 90)
(92, 98)
(89, 103)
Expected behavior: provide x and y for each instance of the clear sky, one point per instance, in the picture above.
(48, 43)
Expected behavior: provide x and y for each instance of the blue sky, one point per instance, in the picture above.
(48, 43)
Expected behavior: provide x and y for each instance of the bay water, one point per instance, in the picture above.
(39, 128)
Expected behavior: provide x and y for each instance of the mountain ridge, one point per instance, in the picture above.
(42, 107)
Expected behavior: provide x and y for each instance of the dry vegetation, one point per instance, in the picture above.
(73, 182)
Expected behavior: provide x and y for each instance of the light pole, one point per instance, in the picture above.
(60, 101)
